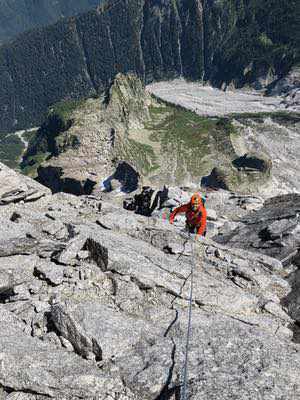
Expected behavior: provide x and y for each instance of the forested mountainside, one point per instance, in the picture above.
(17, 16)
(234, 42)
(247, 39)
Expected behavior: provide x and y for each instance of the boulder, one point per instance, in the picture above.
(147, 367)
(52, 273)
(19, 268)
(100, 310)
(30, 365)
(217, 179)
(100, 330)
(252, 162)
(272, 230)
(16, 188)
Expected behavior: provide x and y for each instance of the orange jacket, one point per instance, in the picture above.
(196, 219)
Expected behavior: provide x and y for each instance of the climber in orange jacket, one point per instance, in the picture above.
(195, 213)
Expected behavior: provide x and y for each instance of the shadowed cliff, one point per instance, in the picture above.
(222, 42)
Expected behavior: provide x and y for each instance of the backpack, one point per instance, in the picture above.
(129, 204)
(143, 201)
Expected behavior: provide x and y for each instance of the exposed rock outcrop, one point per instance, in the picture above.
(273, 230)
(18, 188)
(81, 145)
(261, 126)
(100, 311)
(289, 87)
(127, 138)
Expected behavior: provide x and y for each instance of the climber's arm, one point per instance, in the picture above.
(178, 210)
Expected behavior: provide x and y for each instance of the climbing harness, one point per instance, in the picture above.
(189, 328)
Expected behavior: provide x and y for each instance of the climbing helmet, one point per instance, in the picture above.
(196, 201)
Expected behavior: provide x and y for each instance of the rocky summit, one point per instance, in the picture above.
(129, 134)
(94, 298)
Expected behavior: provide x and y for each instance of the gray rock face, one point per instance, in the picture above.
(273, 230)
(24, 396)
(15, 188)
(30, 365)
(100, 312)
(6, 282)
(51, 272)
(292, 300)
(98, 329)
(146, 368)
(15, 271)
(289, 86)
(223, 346)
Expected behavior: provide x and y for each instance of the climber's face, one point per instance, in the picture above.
(195, 202)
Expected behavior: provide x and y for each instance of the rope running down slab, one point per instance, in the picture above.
(189, 329)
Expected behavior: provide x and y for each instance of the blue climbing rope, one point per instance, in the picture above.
(189, 329)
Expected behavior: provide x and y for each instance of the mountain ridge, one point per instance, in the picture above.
(81, 144)
(79, 56)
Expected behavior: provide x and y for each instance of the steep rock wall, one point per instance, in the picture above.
(250, 41)
(222, 42)
(80, 56)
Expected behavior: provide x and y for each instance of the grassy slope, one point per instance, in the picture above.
(11, 149)
(174, 142)
(52, 138)
(194, 143)
(190, 146)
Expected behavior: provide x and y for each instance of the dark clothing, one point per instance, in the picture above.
(147, 201)
(143, 202)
